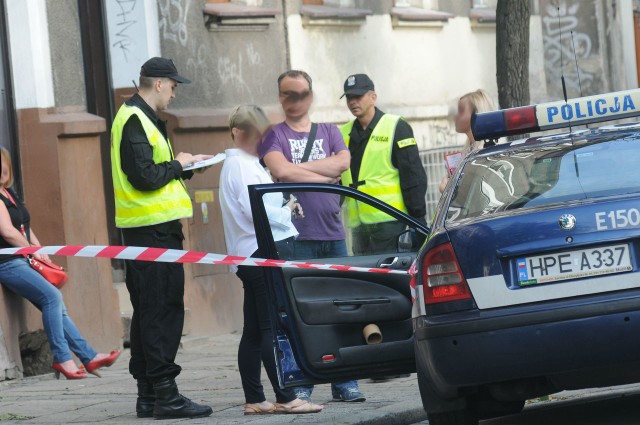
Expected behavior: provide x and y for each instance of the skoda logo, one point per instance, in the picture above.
(567, 222)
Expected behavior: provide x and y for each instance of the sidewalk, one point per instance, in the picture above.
(210, 375)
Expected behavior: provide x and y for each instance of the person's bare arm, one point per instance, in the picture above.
(8, 232)
(36, 242)
(443, 183)
(285, 171)
(331, 166)
(13, 236)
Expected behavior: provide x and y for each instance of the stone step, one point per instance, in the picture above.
(117, 275)
(189, 343)
(123, 298)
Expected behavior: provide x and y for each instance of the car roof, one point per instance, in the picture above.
(608, 132)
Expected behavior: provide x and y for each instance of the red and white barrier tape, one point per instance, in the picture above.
(180, 256)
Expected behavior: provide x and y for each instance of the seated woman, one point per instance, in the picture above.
(471, 103)
(242, 168)
(17, 275)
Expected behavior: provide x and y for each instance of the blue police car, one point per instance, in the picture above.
(527, 283)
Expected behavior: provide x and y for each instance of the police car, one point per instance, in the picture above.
(526, 285)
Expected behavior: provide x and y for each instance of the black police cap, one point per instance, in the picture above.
(162, 67)
(357, 85)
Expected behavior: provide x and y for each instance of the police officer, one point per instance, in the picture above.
(385, 163)
(151, 198)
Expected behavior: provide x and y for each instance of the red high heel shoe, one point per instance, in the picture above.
(93, 366)
(59, 369)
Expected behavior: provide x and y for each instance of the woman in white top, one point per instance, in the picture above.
(475, 102)
(242, 168)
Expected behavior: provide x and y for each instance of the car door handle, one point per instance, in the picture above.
(362, 302)
(398, 263)
(388, 262)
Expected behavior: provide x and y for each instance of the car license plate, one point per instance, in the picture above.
(573, 264)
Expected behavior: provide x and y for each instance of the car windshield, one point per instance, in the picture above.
(544, 175)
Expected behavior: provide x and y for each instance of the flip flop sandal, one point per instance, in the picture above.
(254, 409)
(300, 409)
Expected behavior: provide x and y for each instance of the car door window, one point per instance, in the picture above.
(333, 225)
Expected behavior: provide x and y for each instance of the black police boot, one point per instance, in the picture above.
(146, 399)
(170, 404)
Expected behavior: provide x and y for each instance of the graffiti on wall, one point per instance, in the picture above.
(231, 75)
(222, 65)
(173, 21)
(173, 26)
(124, 39)
(560, 19)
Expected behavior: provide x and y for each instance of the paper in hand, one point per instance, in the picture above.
(452, 161)
(206, 163)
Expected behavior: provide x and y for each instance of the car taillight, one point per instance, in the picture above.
(442, 279)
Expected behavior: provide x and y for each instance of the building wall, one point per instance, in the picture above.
(132, 34)
(63, 24)
(600, 46)
(417, 71)
(226, 67)
(621, 44)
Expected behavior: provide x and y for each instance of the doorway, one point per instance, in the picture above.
(8, 138)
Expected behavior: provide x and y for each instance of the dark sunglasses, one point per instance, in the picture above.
(293, 96)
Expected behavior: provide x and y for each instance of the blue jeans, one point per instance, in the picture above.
(323, 249)
(18, 276)
(304, 250)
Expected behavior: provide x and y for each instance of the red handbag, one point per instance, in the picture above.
(52, 272)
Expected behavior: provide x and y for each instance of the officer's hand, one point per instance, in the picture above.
(201, 158)
(198, 158)
(185, 159)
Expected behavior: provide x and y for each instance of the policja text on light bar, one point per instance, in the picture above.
(547, 116)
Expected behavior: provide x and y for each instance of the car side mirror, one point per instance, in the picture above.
(405, 240)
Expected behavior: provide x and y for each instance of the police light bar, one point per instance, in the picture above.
(547, 116)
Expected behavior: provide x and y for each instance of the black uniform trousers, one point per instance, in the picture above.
(157, 295)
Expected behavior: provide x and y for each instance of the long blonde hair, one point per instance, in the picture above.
(479, 101)
(6, 159)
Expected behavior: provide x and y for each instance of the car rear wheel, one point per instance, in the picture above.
(458, 417)
(467, 410)
(444, 412)
(480, 406)
(487, 407)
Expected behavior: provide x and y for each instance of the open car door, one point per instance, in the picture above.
(319, 316)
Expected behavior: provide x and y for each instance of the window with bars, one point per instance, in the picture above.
(433, 162)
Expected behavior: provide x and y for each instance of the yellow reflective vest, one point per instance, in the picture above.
(377, 176)
(135, 208)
